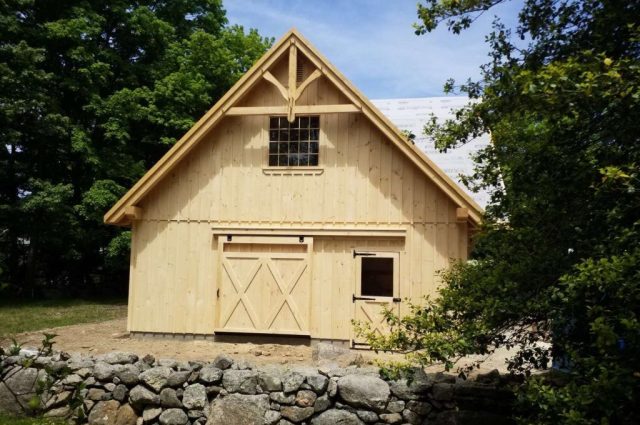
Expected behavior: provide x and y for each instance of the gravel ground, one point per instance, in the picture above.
(100, 338)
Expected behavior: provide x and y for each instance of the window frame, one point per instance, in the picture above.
(396, 273)
(293, 169)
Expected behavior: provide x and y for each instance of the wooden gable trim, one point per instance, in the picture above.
(260, 70)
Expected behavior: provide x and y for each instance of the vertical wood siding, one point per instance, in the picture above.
(365, 181)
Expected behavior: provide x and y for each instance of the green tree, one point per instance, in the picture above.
(91, 94)
(557, 256)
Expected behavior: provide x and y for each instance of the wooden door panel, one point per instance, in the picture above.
(266, 291)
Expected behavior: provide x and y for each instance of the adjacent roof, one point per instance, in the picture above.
(116, 215)
(412, 114)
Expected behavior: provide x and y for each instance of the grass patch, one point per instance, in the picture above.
(26, 316)
(13, 420)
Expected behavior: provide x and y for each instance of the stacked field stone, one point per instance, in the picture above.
(123, 389)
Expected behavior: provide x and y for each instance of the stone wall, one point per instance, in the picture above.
(122, 389)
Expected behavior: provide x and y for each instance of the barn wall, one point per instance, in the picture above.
(364, 182)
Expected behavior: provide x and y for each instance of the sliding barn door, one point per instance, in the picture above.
(265, 285)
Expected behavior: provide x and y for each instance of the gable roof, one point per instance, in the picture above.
(117, 214)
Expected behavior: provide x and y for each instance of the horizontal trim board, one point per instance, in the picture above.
(298, 109)
(312, 231)
(259, 332)
(292, 171)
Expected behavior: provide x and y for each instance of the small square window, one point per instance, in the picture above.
(295, 143)
(376, 277)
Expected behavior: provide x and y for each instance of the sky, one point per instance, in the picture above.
(373, 42)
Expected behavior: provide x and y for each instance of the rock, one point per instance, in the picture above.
(317, 382)
(176, 379)
(120, 393)
(168, 398)
(59, 412)
(492, 377)
(306, 398)
(240, 381)
(110, 386)
(222, 361)
(139, 397)
(58, 399)
(118, 357)
(364, 391)
(95, 394)
(283, 398)
(242, 364)
(156, 377)
(367, 416)
(22, 382)
(396, 406)
(104, 371)
(271, 417)
(420, 385)
(420, 407)
(77, 363)
(336, 417)
(411, 417)
(151, 413)
(173, 417)
(183, 366)
(322, 403)
(126, 416)
(292, 381)
(128, 375)
(332, 388)
(391, 418)
(210, 374)
(195, 414)
(325, 351)
(72, 379)
(238, 409)
(104, 413)
(149, 359)
(195, 397)
(84, 372)
(442, 392)
(170, 363)
(269, 382)
(296, 414)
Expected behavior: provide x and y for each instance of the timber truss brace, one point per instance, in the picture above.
(292, 94)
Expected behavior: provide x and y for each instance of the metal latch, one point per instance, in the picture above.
(363, 254)
(354, 298)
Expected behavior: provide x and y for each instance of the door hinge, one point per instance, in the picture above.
(363, 254)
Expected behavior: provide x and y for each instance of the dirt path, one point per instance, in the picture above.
(100, 338)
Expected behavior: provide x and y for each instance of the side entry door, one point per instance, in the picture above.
(376, 287)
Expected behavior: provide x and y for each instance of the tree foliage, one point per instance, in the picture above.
(556, 258)
(91, 94)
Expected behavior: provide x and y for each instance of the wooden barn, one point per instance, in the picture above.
(290, 208)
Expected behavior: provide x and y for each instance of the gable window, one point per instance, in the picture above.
(294, 144)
